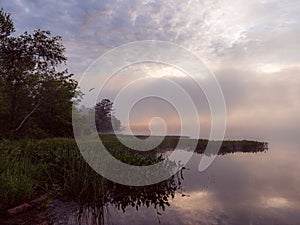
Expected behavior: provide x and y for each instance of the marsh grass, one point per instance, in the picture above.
(55, 166)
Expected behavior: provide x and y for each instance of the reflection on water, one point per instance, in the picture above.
(238, 188)
(121, 197)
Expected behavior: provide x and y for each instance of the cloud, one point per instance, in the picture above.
(252, 46)
(213, 29)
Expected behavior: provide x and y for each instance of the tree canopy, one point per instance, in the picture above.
(104, 118)
(35, 95)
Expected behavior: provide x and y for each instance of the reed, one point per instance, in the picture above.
(55, 166)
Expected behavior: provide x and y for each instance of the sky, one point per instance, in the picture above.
(252, 47)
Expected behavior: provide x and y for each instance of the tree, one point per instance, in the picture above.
(104, 118)
(36, 97)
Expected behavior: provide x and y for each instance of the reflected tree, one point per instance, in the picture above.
(121, 197)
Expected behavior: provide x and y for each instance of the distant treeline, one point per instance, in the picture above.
(169, 143)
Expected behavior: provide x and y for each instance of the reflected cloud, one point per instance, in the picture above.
(251, 46)
(239, 188)
(276, 202)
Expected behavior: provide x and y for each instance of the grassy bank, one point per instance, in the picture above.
(55, 166)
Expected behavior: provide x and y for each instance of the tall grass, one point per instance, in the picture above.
(51, 165)
(55, 166)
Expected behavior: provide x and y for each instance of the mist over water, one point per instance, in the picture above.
(252, 47)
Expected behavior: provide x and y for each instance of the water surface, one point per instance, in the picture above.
(238, 188)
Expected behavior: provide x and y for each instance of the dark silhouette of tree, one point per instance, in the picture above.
(104, 118)
(35, 96)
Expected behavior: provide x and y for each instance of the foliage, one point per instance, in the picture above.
(104, 118)
(35, 96)
(55, 165)
(48, 165)
(52, 165)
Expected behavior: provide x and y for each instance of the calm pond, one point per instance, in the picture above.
(238, 188)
